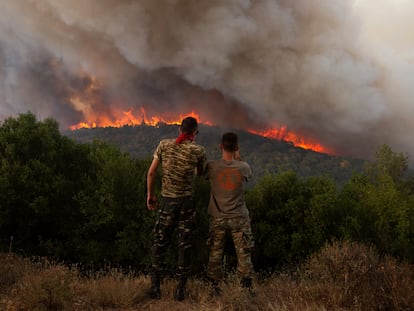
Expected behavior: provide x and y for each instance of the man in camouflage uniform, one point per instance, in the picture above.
(179, 159)
(228, 212)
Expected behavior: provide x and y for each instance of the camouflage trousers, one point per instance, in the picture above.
(173, 213)
(242, 236)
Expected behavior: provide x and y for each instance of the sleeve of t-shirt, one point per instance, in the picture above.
(157, 152)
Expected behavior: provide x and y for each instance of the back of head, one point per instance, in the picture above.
(229, 142)
(188, 125)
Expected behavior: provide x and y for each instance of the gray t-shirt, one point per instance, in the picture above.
(227, 180)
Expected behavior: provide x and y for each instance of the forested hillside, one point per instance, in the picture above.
(265, 155)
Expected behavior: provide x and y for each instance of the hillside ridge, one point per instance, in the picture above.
(265, 155)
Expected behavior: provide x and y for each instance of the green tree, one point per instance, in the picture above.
(40, 172)
(314, 227)
(290, 217)
(116, 223)
(388, 163)
(377, 207)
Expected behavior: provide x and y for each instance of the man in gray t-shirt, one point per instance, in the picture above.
(228, 212)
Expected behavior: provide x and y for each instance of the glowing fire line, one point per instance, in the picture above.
(283, 134)
(128, 118)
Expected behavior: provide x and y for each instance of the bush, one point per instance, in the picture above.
(363, 279)
(49, 287)
(12, 269)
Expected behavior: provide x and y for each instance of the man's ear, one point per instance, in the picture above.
(221, 146)
(237, 148)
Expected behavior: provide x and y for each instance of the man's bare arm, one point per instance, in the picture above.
(151, 177)
(237, 156)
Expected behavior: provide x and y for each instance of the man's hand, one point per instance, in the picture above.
(237, 155)
(152, 203)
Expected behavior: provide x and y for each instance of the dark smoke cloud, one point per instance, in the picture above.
(329, 70)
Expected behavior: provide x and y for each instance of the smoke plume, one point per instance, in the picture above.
(337, 71)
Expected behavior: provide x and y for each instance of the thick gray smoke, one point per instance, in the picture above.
(337, 71)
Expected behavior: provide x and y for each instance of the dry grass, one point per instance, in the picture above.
(342, 276)
(360, 279)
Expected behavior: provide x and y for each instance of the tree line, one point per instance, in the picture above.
(85, 203)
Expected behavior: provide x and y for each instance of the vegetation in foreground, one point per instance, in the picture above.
(85, 204)
(341, 276)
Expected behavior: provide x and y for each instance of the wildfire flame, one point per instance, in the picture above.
(89, 98)
(128, 118)
(283, 133)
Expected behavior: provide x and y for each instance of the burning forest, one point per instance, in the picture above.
(330, 76)
(128, 118)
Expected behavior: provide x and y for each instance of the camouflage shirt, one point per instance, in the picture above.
(178, 162)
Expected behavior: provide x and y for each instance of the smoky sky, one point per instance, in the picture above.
(337, 71)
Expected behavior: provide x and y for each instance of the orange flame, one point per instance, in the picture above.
(128, 118)
(87, 100)
(283, 133)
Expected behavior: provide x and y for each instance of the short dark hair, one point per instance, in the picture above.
(229, 141)
(189, 125)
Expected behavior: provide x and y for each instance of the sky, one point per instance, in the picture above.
(337, 71)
